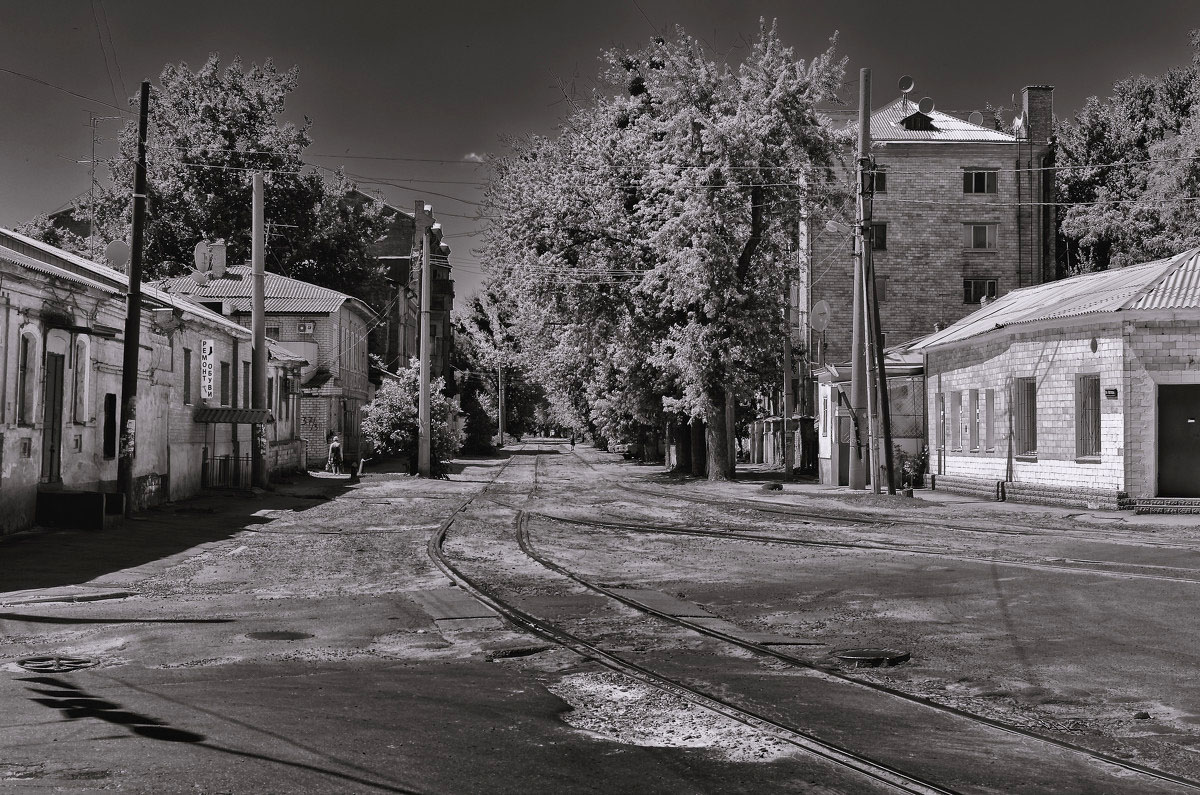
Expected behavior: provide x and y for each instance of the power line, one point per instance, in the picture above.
(75, 94)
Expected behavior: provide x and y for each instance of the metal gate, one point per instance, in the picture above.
(227, 472)
(1179, 440)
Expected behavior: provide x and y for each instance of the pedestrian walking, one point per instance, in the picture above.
(572, 441)
(334, 463)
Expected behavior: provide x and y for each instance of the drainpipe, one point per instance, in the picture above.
(4, 357)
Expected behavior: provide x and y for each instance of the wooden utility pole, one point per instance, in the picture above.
(133, 316)
(258, 326)
(858, 363)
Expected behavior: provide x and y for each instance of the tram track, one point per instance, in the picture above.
(837, 755)
(527, 546)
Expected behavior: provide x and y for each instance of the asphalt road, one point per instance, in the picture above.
(294, 642)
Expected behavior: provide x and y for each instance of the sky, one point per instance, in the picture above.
(414, 93)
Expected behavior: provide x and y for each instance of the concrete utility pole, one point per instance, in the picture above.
(133, 316)
(858, 362)
(423, 217)
(500, 402)
(789, 401)
(258, 325)
(885, 414)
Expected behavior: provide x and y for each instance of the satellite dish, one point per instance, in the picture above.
(976, 118)
(202, 254)
(906, 84)
(116, 254)
(1020, 123)
(925, 105)
(217, 255)
(200, 277)
(818, 318)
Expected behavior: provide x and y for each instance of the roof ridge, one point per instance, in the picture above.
(1173, 265)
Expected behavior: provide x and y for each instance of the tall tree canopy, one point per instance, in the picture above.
(643, 249)
(1129, 171)
(209, 131)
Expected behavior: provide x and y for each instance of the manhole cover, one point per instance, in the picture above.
(871, 658)
(278, 634)
(55, 663)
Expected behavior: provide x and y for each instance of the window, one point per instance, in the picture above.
(956, 420)
(978, 180)
(187, 376)
(825, 416)
(224, 383)
(270, 393)
(246, 385)
(110, 425)
(989, 419)
(80, 385)
(1087, 416)
(973, 418)
(273, 332)
(26, 379)
(975, 290)
(979, 237)
(1025, 427)
(879, 237)
(880, 182)
(881, 289)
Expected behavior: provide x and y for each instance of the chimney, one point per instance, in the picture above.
(1038, 104)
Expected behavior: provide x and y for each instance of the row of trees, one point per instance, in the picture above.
(641, 252)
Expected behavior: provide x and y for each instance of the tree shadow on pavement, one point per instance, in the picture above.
(56, 558)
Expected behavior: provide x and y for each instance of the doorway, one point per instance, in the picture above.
(52, 419)
(1179, 440)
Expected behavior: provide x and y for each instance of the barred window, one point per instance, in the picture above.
(1025, 427)
(1087, 416)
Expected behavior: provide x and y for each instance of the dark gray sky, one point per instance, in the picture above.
(438, 81)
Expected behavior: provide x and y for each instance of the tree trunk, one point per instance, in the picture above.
(697, 430)
(717, 436)
(683, 448)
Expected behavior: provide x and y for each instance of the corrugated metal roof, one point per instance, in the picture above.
(279, 353)
(284, 295)
(1172, 283)
(886, 126)
(17, 258)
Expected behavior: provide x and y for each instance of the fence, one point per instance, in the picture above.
(227, 472)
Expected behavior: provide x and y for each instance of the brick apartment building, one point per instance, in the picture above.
(1081, 392)
(327, 329)
(959, 217)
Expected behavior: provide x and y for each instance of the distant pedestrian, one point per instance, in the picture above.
(334, 464)
(572, 441)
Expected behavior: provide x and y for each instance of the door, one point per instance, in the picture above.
(52, 409)
(1179, 440)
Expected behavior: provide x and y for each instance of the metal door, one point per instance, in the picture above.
(1179, 440)
(52, 418)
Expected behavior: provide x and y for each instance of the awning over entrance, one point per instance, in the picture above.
(234, 416)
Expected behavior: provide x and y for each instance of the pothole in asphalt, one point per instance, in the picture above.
(624, 710)
(518, 651)
(55, 663)
(278, 634)
(872, 658)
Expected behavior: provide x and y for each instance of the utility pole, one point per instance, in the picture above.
(423, 216)
(258, 326)
(500, 401)
(133, 316)
(789, 401)
(858, 363)
(885, 415)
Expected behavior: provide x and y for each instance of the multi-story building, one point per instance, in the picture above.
(61, 358)
(962, 213)
(400, 251)
(327, 329)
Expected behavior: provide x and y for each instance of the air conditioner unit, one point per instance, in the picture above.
(305, 327)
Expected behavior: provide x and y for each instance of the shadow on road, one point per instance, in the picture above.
(55, 558)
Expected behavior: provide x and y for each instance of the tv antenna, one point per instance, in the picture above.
(906, 84)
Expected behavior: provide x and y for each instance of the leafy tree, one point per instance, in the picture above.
(391, 422)
(209, 131)
(1125, 168)
(639, 249)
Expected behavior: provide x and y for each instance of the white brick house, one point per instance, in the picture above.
(1082, 392)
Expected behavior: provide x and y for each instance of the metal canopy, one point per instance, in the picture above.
(234, 416)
